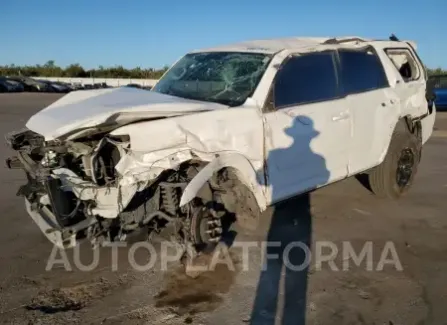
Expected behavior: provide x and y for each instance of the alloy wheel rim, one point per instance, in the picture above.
(405, 167)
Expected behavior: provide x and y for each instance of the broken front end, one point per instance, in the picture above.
(75, 192)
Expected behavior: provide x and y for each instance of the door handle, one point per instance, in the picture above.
(340, 117)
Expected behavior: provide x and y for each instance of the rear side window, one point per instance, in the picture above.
(405, 63)
(361, 71)
(306, 78)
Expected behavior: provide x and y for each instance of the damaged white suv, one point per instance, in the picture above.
(226, 131)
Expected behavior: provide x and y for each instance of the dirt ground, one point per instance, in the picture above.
(342, 215)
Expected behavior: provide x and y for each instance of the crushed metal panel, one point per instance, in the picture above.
(111, 107)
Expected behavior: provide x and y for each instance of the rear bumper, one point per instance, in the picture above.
(427, 124)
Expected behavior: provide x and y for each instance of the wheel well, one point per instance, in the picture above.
(229, 189)
(404, 124)
(412, 125)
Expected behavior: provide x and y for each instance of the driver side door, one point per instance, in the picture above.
(307, 126)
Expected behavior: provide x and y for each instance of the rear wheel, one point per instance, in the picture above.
(394, 177)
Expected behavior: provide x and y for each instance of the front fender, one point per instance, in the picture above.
(240, 163)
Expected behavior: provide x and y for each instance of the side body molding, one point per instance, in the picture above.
(246, 173)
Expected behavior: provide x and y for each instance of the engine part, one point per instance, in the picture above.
(50, 159)
(103, 160)
(64, 204)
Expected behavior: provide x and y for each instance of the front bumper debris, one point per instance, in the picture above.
(13, 163)
(47, 223)
(63, 238)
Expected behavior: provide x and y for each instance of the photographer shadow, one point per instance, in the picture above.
(282, 287)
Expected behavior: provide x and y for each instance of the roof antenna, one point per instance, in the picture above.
(394, 38)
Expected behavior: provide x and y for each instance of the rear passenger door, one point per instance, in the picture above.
(372, 104)
(307, 126)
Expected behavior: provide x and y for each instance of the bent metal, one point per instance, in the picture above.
(224, 134)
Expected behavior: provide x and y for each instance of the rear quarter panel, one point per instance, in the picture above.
(409, 96)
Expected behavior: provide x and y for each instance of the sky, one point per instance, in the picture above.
(154, 33)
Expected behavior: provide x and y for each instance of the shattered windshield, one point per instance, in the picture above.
(223, 77)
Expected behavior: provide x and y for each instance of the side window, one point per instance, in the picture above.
(306, 78)
(361, 71)
(405, 63)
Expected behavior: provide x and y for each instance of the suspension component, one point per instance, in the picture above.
(205, 225)
(170, 196)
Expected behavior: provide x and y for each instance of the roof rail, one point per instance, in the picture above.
(338, 41)
(392, 37)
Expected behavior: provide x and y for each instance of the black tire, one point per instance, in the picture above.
(395, 175)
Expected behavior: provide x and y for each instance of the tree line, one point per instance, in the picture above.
(50, 69)
(437, 71)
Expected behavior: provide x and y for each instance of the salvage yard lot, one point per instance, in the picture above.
(343, 212)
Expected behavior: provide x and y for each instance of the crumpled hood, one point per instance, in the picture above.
(109, 108)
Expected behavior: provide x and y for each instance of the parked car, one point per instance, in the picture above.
(9, 85)
(56, 86)
(248, 124)
(16, 86)
(77, 86)
(4, 86)
(67, 85)
(31, 84)
(99, 85)
(133, 85)
(439, 86)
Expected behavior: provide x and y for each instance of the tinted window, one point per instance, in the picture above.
(305, 79)
(361, 71)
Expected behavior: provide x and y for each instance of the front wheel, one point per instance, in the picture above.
(395, 175)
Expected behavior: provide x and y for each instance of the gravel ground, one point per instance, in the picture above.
(343, 215)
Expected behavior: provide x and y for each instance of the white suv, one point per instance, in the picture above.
(255, 123)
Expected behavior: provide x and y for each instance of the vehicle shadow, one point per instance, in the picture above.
(281, 290)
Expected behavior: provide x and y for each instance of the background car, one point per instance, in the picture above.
(8, 85)
(31, 84)
(17, 86)
(4, 87)
(55, 86)
(77, 86)
(133, 85)
(439, 86)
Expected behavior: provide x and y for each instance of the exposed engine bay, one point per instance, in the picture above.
(65, 179)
